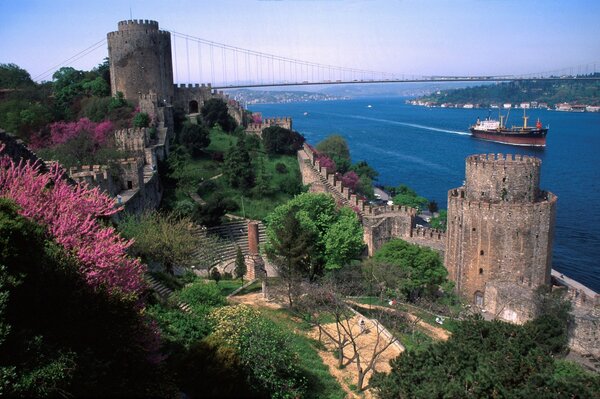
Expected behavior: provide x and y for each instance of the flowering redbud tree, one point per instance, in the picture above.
(70, 214)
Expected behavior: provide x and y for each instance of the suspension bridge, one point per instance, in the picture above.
(229, 67)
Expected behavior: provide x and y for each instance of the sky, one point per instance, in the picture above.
(453, 37)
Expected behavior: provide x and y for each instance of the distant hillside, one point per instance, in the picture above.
(246, 96)
(551, 92)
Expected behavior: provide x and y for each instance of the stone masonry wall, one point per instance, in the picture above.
(380, 223)
(140, 60)
(500, 225)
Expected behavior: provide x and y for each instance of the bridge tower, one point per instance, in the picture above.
(499, 234)
(140, 60)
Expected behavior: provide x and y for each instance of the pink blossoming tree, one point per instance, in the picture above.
(70, 214)
(61, 132)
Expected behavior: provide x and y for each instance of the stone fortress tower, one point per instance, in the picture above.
(499, 234)
(140, 60)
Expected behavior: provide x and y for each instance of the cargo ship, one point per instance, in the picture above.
(493, 130)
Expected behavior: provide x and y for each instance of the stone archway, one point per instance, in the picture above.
(193, 107)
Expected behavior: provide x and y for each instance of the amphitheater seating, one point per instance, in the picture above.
(230, 235)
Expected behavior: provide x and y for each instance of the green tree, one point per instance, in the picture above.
(336, 148)
(14, 77)
(290, 253)
(240, 265)
(440, 221)
(404, 195)
(363, 169)
(211, 213)
(238, 166)
(214, 111)
(278, 140)
(343, 240)
(264, 349)
(317, 215)
(486, 359)
(58, 336)
(161, 238)
(215, 274)
(262, 185)
(195, 138)
(422, 267)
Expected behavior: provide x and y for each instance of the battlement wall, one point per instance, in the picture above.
(257, 128)
(133, 140)
(427, 234)
(503, 178)
(135, 24)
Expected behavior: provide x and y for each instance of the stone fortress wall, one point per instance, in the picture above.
(191, 97)
(257, 128)
(140, 58)
(380, 223)
(500, 226)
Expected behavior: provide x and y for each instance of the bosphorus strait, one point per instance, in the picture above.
(425, 149)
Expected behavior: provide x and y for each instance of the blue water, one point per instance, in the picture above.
(425, 148)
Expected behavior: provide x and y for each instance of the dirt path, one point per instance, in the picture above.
(433, 331)
(366, 342)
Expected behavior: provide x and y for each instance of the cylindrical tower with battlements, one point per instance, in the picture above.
(500, 226)
(140, 60)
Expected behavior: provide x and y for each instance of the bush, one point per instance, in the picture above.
(264, 349)
(141, 119)
(202, 293)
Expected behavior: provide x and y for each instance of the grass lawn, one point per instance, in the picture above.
(198, 175)
(228, 286)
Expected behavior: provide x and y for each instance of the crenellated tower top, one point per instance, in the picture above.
(503, 178)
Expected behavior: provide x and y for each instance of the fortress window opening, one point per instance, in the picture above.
(193, 105)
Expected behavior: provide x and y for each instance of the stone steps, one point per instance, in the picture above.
(165, 292)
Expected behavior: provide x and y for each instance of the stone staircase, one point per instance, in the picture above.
(165, 292)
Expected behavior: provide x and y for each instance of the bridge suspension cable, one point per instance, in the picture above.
(259, 67)
(70, 61)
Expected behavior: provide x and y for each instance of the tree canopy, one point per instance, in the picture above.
(194, 138)
(490, 359)
(336, 148)
(336, 236)
(214, 111)
(278, 140)
(422, 269)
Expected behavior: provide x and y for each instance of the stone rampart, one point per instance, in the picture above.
(96, 176)
(191, 97)
(380, 223)
(501, 241)
(257, 128)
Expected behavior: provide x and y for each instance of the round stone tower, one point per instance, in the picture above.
(140, 60)
(500, 227)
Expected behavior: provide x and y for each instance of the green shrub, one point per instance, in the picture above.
(141, 119)
(201, 293)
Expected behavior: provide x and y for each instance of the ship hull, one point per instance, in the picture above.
(533, 138)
